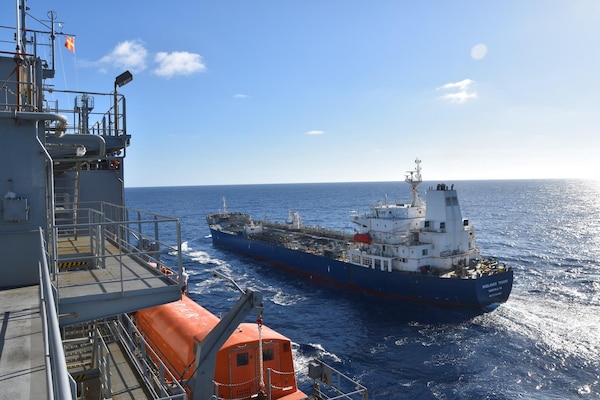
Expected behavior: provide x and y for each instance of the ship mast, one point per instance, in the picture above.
(224, 206)
(414, 179)
(21, 31)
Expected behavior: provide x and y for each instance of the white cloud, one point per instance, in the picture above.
(130, 54)
(460, 91)
(178, 63)
(462, 85)
(459, 97)
(240, 96)
(133, 55)
(315, 132)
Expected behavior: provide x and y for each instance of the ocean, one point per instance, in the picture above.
(544, 343)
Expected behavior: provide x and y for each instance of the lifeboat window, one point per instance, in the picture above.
(242, 359)
(268, 354)
(286, 347)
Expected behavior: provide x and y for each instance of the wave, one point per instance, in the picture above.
(303, 354)
(200, 256)
(285, 299)
(560, 330)
(319, 352)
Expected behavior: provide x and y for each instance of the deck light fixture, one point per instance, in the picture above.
(120, 81)
(123, 79)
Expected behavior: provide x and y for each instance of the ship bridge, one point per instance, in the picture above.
(390, 223)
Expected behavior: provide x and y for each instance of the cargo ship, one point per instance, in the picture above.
(420, 251)
(88, 307)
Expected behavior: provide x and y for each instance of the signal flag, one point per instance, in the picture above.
(70, 44)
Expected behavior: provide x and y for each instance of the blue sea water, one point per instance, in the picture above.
(544, 343)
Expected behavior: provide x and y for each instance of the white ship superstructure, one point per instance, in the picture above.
(417, 237)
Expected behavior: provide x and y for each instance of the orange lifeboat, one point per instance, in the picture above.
(362, 238)
(173, 330)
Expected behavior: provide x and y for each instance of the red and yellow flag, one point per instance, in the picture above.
(70, 44)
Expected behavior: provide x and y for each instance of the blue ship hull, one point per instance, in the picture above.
(485, 292)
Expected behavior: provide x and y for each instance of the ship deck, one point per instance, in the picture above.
(117, 267)
(126, 384)
(121, 282)
(22, 356)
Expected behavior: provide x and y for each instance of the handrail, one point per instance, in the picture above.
(331, 384)
(102, 362)
(110, 223)
(111, 122)
(147, 363)
(269, 386)
(107, 122)
(60, 384)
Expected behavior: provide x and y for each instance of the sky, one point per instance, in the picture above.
(245, 92)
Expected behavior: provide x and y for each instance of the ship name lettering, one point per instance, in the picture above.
(502, 282)
(489, 285)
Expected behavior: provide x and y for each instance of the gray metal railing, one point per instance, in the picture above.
(111, 122)
(131, 234)
(102, 362)
(60, 384)
(331, 384)
(108, 123)
(158, 379)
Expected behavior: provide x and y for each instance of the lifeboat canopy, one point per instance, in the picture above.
(362, 238)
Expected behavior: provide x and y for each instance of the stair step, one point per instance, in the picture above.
(74, 365)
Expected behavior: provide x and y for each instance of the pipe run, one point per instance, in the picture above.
(38, 116)
(84, 140)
